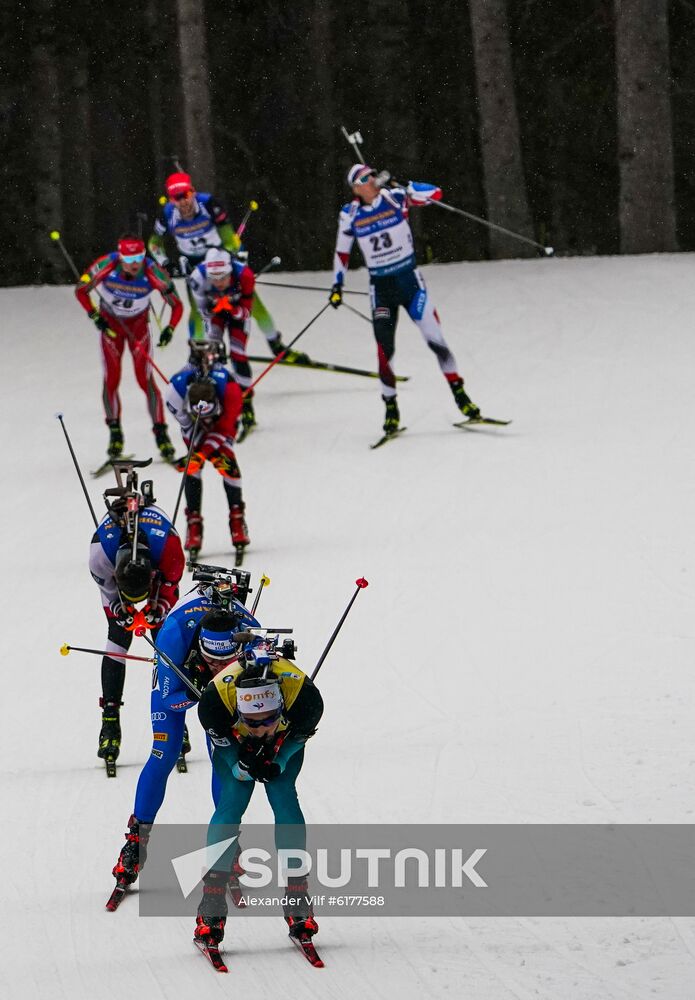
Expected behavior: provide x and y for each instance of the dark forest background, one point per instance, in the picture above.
(571, 123)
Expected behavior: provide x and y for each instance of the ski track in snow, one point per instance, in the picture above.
(544, 572)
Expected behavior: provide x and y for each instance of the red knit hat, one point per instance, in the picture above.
(129, 246)
(177, 184)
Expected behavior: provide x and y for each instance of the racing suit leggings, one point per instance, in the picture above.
(167, 739)
(112, 668)
(234, 796)
(136, 334)
(406, 289)
(231, 476)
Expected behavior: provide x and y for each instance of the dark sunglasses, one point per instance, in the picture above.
(181, 197)
(259, 723)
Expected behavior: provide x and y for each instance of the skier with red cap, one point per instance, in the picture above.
(198, 221)
(222, 289)
(124, 282)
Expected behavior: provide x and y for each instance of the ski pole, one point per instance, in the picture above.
(59, 416)
(179, 673)
(253, 207)
(352, 309)
(185, 471)
(307, 288)
(361, 584)
(56, 237)
(355, 140)
(264, 582)
(273, 262)
(548, 251)
(65, 649)
(139, 345)
(282, 354)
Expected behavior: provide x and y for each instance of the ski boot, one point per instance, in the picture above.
(161, 436)
(463, 400)
(297, 909)
(212, 909)
(115, 447)
(134, 852)
(393, 418)
(291, 357)
(248, 416)
(194, 534)
(181, 765)
(236, 893)
(237, 526)
(110, 735)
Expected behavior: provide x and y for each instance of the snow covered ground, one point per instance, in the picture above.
(545, 572)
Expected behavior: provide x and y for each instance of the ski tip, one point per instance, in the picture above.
(212, 953)
(387, 437)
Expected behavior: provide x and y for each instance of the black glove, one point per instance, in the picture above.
(98, 320)
(263, 770)
(336, 296)
(165, 336)
(255, 759)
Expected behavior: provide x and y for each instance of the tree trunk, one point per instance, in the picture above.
(325, 125)
(162, 167)
(503, 172)
(45, 93)
(78, 179)
(195, 83)
(645, 145)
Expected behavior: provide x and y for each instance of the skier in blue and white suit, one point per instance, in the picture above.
(198, 637)
(377, 218)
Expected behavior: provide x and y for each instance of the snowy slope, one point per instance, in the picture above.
(545, 572)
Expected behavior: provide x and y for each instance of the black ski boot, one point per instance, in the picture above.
(115, 447)
(186, 745)
(212, 909)
(161, 436)
(298, 911)
(110, 735)
(134, 853)
(291, 357)
(393, 418)
(236, 893)
(463, 400)
(248, 416)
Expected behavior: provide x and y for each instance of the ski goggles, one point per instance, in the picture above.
(270, 720)
(132, 258)
(219, 661)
